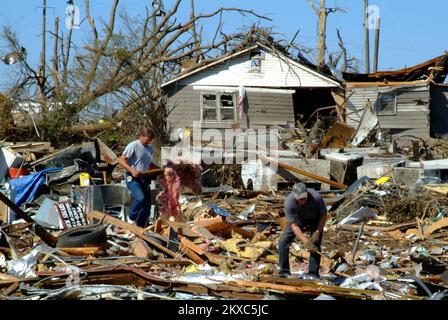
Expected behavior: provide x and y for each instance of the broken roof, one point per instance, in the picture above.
(281, 52)
(435, 69)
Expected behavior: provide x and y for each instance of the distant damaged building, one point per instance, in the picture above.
(256, 86)
(411, 101)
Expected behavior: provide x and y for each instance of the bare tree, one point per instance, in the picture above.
(343, 51)
(322, 13)
(125, 63)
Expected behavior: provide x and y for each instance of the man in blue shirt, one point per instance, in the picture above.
(305, 211)
(136, 158)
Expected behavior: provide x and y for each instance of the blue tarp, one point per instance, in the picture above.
(26, 187)
(220, 211)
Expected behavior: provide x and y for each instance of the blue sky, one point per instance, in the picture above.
(412, 31)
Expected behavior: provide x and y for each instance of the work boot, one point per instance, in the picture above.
(284, 274)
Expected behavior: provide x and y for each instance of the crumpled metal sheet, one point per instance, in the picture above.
(23, 267)
(363, 214)
(368, 122)
(91, 292)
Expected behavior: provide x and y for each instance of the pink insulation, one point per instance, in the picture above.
(175, 177)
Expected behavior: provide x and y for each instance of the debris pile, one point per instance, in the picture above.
(65, 236)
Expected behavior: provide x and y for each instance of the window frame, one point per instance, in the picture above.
(256, 56)
(218, 107)
(380, 112)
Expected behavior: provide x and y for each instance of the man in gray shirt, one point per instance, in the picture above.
(305, 211)
(137, 157)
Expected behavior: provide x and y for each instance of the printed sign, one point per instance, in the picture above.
(71, 214)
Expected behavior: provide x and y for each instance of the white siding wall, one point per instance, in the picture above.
(274, 73)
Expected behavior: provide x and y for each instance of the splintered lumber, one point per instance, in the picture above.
(7, 277)
(305, 173)
(181, 228)
(12, 288)
(84, 251)
(141, 249)
(436, 226)
(219, 224)
(46, 236)
(215, 224)
(139, 232)
(308, 288)
(191, 254)
(187, 244)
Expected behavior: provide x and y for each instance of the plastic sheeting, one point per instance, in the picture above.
(363, 214)
(26, 187)
(368, 122)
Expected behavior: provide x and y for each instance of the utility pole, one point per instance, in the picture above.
(44, 23)
(366, 36)
(41, 73)
(377, 44)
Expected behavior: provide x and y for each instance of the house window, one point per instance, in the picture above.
(218, 107)
(387, 104)
(209, 110)
(255, 60)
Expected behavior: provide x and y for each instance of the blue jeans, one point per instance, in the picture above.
(285, 242)
(141, 206)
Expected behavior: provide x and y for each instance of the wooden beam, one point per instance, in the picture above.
(305, 173)
(84, 251)
(436, 226)
(316, 289)
(13, 287)
(139, 232)
(46, 236)
(385, 84)
(191, 254)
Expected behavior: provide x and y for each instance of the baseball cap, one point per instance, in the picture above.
(299, 190)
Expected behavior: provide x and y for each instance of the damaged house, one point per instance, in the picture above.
(411, 101)
(252, 87)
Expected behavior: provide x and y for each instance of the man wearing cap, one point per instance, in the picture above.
(305, 211)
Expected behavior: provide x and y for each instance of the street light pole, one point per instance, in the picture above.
(366, 35)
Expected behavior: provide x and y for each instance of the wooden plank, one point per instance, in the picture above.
(13, 287)
(7, 283)
(181, 228)
(215, 224)
(132, 228)
(436, 226)
(385, 84)
(316, 289)
(305, 173)
(191, 254)
(46, 236)
(84, 251)
(141, 248)
(7, 277)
